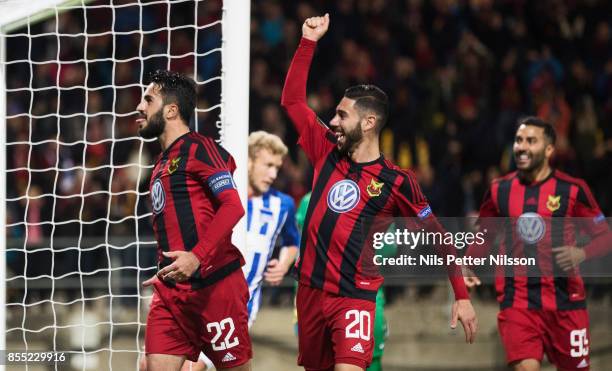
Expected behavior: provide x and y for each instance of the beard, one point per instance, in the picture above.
(352, 139)
(155, 126)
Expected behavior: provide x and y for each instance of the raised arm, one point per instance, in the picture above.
(315, 137)
(294, 92)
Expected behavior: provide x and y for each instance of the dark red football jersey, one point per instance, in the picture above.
(187, 184)
(543, 286)
(346, 197)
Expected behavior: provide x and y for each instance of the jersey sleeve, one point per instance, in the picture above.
(289, 233)
(486, 222)
(410, 199)
(214, 167)
(212, 171)
(488, 209)
(593, 222)
(412, 203)
(586, 205)
(314, 137)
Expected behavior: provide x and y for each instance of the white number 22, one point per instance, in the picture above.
(218, 327)
(361, 319)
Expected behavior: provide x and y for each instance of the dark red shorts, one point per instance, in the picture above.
(213, 319)
(562, 335)
(333, 329)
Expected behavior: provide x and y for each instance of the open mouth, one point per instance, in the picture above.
(522, 157)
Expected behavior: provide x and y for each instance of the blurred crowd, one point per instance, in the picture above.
(459, 73)
(72, 143)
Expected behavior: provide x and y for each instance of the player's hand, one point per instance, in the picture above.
(470, 278)
(275, 272)
(150, 281)
(315, 27)
(184, 266)
(464, 312)
(568, 257)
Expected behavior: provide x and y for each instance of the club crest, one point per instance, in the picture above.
(174, 163)
(374, 189)
(554, 203)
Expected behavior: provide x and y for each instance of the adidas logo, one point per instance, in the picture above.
(357, 348)
(228, 357)
(583, 364)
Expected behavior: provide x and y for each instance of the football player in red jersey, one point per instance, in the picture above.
(543, 307)
(353, 183)
(200, 294)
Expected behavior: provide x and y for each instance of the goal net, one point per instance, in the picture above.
(75, 174)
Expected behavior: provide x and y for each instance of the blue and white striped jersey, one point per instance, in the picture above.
(268, 216)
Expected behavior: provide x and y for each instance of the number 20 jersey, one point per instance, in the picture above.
(346, 197)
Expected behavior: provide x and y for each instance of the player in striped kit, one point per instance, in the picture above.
(542, 307)
(199, 293)
(270, 214)
(353, 184)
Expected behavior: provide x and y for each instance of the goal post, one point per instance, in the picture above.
(2, 197)
(235, 95)
(231, 106)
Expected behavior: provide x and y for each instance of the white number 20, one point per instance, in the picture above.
(361, 319)
(580, 343)
(218, 328)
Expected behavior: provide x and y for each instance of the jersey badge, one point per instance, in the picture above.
(374, 189)
(554, 203)
(531, 227)
(424, 213)
(174, 163)
(158, 196)
(343, 196)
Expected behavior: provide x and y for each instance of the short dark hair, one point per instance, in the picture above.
(177, 88)
(370, 98)
(549, 130)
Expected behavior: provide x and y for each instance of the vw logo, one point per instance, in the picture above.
(158, 196)
(531, 227)
(343, 196)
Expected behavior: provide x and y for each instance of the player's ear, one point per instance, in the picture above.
(550, 150)
(172, 111)
(370, 122)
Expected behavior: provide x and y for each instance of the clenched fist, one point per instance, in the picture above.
(315, 27)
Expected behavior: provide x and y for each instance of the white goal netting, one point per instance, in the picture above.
(78, 233)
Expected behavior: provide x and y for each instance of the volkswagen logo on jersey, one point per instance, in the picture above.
(531, 227)
(343, 196)
(158, 196)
